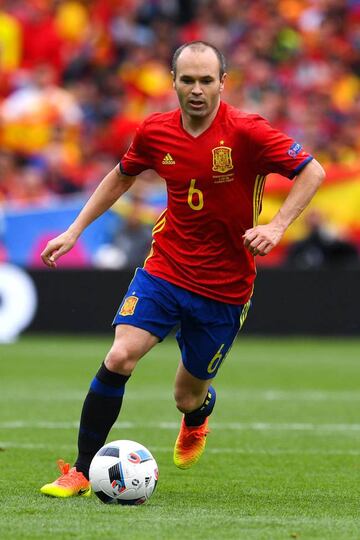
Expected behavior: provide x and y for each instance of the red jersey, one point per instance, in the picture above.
(215, 183)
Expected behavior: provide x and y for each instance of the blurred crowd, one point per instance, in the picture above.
(77, 77)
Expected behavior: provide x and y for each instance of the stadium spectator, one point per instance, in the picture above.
(130, 242)
(10, 42)
(322, 247)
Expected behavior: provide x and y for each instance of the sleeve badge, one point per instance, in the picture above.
(128, 306)
(294, 150)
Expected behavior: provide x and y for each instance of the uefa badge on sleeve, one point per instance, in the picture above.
(294, 150)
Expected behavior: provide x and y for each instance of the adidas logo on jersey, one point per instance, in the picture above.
(168, 160)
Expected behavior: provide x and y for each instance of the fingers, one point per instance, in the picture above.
(263, 248)
(57, 247)
(258, 251)
(249, 236)
(52, 252)
(259, 240)
(252, 241)
(48, 257)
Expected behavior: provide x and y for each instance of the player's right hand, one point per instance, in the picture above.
(57, 247)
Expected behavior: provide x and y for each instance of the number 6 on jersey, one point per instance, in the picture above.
(200, 198)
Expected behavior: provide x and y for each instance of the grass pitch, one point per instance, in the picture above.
(282, 461)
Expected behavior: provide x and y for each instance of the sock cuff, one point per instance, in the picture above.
(110, 378)
(209, 401)
(197, 417)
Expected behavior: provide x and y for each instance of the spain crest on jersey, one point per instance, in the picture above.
(129, 306)
(222, 161)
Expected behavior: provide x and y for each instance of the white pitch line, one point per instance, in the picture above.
(236, 426)
(301, 395)
(168, 450)
(235, 395)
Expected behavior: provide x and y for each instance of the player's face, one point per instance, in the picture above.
(197, 83)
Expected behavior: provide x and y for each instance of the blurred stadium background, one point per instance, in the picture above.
(77, 78)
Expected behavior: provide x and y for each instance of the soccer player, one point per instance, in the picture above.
(200, 270)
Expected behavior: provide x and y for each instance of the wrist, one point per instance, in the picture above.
(280, 223)
(74, 230)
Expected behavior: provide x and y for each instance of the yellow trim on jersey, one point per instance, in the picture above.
(159, 225)
(257, 197)
(244, 312)
(160, 220)
(151, 253)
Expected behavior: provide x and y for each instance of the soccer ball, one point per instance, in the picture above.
(123, 472)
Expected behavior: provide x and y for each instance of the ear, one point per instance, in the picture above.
(173, 78)
(222, 82)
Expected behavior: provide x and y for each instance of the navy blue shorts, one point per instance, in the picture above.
(207, 328)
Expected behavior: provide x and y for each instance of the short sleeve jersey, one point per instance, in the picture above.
(215, 184)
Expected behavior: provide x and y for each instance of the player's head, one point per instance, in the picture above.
(198, 71)
(198, 47)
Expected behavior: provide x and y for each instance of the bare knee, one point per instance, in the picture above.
(120, 360)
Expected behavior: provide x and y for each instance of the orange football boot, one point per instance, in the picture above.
(70, 483)
(190, 444)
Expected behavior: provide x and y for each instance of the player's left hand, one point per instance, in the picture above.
(260, 240)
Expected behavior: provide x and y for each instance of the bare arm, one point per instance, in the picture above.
(260, 240)
(108, 191)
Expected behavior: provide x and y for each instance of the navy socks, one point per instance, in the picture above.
(197, 417)
(100, 411)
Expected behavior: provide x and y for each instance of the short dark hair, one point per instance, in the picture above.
(200, 46)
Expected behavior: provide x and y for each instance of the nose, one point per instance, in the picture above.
(196, 89)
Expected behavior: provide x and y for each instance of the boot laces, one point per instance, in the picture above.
(191, 434)
(67, 474)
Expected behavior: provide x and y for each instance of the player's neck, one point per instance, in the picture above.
(196, 126)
